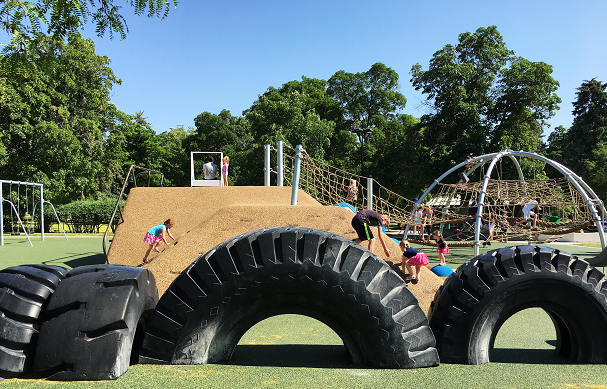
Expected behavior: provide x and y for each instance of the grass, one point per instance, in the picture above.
(291, 351)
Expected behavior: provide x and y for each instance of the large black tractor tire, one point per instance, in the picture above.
(24, 293)
(247, 279)
(95, 319)
(474, 302)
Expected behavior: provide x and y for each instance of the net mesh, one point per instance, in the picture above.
(564, 209)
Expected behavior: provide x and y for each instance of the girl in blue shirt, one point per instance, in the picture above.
(156, 235)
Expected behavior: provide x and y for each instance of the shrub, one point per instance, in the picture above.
(84, 216)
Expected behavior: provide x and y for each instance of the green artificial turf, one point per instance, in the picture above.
(291, 351)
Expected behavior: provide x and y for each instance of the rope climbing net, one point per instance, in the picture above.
(564, 210)
(563, 207)
(328, 185)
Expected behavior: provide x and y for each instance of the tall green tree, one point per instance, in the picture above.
(589, 128)
(54, 116)
(368, 99)
(173, 155)
(26, 20)
(288, 116)
(482, 98)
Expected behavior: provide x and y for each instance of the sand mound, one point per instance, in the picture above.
(208, 216)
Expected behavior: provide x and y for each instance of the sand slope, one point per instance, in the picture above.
(208, 216)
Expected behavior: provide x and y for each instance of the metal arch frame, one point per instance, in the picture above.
(573, 178)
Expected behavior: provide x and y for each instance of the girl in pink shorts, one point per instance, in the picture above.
(156, 235)
(412, 257)
(441, 247)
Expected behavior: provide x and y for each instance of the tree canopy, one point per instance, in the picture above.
(28, 21)
(482, 98)
(59, 127)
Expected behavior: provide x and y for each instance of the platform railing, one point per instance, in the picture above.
(132, 173)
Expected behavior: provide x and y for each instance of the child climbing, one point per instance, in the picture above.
(441, 247)
(528, 211)
(412, 257)
(362, 222)
(463, 178)
(491, 228)
(224, 170)
(504, 227)
(352, 193)
(156, 235)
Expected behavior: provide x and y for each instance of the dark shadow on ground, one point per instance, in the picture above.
(293, 355)
(81, 259)
(529, 356)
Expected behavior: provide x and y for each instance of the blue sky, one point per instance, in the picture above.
(214, 55)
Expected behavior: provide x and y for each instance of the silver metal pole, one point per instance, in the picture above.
(42, 214)
(296, 170)
(266, 169)
(369, 193)
(280, 167)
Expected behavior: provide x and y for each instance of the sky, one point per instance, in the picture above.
(207, 56)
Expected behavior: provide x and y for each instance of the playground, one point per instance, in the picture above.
(296, 351)
(216, 255)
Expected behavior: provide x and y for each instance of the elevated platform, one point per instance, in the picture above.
(589, 237)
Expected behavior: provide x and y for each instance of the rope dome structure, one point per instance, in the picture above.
(568, 203)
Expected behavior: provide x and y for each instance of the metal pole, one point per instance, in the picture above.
(42, 214)
(369, 193)
(280, 167)
(266, 169)
(1, 217)
(296, 169)
(362, 155)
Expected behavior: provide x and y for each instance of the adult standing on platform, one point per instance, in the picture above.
(362, 222)
(210, 169)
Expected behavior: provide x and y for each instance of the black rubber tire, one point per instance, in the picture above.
(474, 302)
(24, 293)
(212, 303)
(95, 318)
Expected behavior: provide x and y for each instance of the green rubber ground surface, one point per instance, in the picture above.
(291, 351)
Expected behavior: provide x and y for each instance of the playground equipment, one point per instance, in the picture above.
(134, 172)
(471, 306)
(325, 183)
(94, 323)
(15, 201)
(196, 167)
(285, 270)
(569, 196)
(473, 205)
(24, 294)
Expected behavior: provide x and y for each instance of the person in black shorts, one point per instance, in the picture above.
(362, 223)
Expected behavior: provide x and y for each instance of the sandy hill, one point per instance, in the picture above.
(208, 216)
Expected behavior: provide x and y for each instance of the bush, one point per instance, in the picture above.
(84, 216)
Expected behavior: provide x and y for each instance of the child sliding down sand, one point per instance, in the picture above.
(156, 235)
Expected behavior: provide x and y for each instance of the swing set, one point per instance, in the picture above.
(23, 198)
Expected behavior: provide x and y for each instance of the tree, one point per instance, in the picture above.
(589, 128)
(173, 155)
(597, 170)
(369, 99)
(24, 20)
(54, 118)
(482, 99)
(231, 136)
(287, 115)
